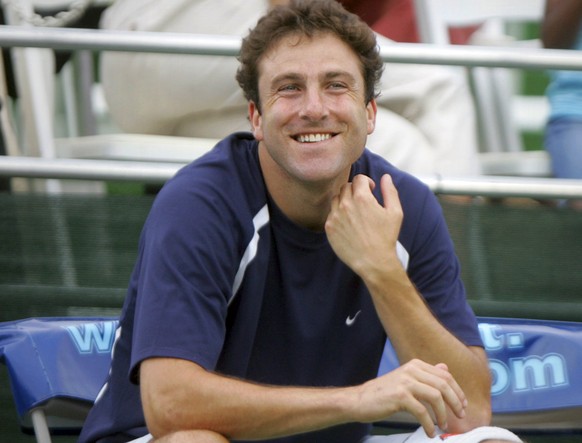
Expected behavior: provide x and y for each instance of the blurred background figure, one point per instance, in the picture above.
(396, 19)
(426, 120)
(562, 29)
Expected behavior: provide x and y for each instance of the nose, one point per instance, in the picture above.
(314, 107)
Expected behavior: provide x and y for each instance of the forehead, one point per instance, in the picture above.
(306, 54)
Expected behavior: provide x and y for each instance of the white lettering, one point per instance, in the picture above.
(499, 375)
(535, 372)
(91, 337)
(491, 339)
(524, 372)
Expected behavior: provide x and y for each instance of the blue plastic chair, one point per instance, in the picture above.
(536, 374)
(57, 367)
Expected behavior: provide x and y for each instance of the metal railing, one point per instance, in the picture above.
(159, 172)
(202, 44)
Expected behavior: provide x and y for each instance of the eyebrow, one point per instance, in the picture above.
(295, 76)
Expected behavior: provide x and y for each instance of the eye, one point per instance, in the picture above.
(337, 86)
(288, 88)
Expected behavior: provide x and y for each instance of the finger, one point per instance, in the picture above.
(334, 203)
(433, 401)
(458, 390)
(339, 201)
(413, 396)
(438, 388)
(389, 192)
(448, 389)
(345, 191)
(423, 416)
(362, 180)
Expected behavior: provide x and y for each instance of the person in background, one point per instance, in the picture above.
(562, 29)
(272, 270)
(426, 117)
(396, 19)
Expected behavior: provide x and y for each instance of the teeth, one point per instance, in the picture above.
(312, 138)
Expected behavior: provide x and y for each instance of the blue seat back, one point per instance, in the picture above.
(535, 367)
(56, 358)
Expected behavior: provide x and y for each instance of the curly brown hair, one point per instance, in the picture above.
(308, 17)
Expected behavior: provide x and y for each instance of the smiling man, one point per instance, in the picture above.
(272, 270)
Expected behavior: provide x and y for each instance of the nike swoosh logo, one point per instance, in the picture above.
(350, 320)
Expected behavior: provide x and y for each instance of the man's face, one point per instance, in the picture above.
(314, 120)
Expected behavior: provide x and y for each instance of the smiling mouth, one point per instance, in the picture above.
(312, 138)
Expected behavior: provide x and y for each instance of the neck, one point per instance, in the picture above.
(307, 204)
(303, 208)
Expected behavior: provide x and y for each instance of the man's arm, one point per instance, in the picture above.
(179, 395)
(561, 23)
(364, 235)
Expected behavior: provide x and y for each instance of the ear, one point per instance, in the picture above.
(256, 121)
(372, 110)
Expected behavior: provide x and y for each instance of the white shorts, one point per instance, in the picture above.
(477, 435)
(143, 439)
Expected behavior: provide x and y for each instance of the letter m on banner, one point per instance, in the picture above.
(93, 337)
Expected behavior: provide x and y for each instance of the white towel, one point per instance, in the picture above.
(477, 435)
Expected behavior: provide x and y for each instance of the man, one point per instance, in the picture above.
(271, 270)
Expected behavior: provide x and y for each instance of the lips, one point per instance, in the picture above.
(312, 138)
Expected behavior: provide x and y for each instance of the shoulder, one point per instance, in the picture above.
(411, 190)
(224, 183)
(231, 167)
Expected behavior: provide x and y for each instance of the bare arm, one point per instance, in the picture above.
(561, 23)
(179, 395)
(357, 230)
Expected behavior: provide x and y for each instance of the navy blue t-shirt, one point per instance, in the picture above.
(224, 279)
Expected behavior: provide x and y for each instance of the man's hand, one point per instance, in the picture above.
(424, 390)
(363, 233)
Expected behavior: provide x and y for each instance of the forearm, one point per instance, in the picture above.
(561, 23)
(178, 395)
(248, 411)
(418, 334)
(235, 408)
(364, 235)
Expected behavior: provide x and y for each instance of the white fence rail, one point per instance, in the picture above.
(149, 172)
(201, 44)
